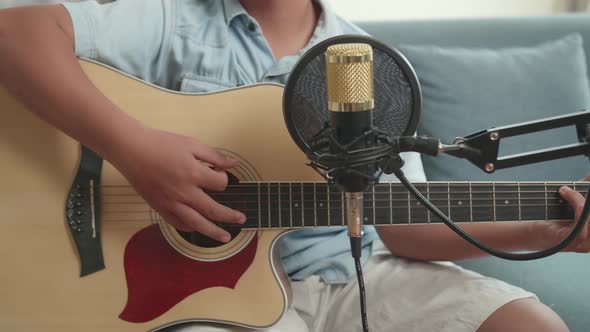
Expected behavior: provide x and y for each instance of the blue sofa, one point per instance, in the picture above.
(561, 281)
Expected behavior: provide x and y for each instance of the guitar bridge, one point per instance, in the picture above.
(83, 212)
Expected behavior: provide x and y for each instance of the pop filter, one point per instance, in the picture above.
(396, 93)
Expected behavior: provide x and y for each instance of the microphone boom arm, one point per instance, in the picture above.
(481, 148)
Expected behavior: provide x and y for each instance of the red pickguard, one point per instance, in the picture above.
(159, 277)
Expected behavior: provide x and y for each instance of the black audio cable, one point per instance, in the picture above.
(355, 247)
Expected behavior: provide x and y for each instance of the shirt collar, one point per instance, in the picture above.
(232, 9)
(326, 27)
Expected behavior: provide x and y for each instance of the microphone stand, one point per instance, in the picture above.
(481, 149)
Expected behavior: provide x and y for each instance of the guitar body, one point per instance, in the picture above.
(41, 288)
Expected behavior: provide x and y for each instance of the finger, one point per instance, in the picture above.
(175, 222)
(213, 157)
(574, 198)
(211, 179)
(212, 210)
(196, 222)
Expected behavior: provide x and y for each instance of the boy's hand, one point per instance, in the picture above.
(553, 232)
(169, 172)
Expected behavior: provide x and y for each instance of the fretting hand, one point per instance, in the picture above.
(553, 232)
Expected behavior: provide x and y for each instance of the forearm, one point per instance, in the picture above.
(436, 242)
(39, 68)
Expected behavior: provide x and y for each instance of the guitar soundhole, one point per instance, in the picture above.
(201, 240)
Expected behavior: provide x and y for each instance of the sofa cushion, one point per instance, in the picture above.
(469, 89)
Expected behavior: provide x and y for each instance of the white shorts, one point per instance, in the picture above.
(402, 295)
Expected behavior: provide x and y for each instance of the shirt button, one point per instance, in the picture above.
(252, 27)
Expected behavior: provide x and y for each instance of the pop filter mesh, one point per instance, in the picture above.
(397, 92)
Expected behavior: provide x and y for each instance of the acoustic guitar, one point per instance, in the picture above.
(81, 251)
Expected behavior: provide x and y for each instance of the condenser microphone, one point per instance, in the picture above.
(347, 132)
(349, 83)
(343, 144)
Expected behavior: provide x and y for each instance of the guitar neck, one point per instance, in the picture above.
(316, 204)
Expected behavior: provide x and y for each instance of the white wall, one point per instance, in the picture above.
(411, 9)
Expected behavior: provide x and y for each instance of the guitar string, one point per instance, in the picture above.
(283, 195)
(551, 188)
(252, 222)
(370, 193)
(367, 208)
(459, 183)
(369, 200)
(485, 208)
(254, 225)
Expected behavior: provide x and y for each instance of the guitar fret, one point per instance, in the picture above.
(269, 218)
(494, 199)
(439, 196)
(482, 202)
(280, 207)
(295, 205)
(470, 203)
(460, 202)
(290, 207)
(519, 204)
(390, 204)
(532, 198)
(506, 195)
(449, 198)
(336, 203)
(259, 209)
(302, 207)
(381, 204)
(399, 204)
(322, 211)
(276, 208)
(546, 200)
(419, 211)
(427, 196)
(409, 208)
(310, 211)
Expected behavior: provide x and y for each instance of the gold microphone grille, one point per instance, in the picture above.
(349, 77)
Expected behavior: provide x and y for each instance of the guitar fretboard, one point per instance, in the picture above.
(315, 204)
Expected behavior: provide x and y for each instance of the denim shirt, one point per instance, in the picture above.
(210, 45)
